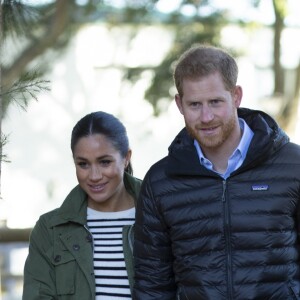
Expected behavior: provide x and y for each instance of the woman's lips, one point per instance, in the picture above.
(97, 187)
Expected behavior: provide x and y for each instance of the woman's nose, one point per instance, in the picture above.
(95, 173)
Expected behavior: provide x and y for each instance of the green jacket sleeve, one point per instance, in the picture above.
(39, 279)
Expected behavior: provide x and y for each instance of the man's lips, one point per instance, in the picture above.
(208, 129)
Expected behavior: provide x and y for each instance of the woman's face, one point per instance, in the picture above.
(100, 169)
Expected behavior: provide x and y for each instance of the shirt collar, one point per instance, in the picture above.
(241, 149)
(246, 138)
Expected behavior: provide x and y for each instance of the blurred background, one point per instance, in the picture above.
(60, 60)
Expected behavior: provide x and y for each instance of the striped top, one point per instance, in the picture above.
(111, 277)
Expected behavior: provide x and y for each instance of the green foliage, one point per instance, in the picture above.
(18, 19)
(23, 90)
(3, 142)
(39, 24)
(200, 28)
(280, 8)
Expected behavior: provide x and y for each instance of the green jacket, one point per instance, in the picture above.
(60, 261)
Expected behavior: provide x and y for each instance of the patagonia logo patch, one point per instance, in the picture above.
(260, 187)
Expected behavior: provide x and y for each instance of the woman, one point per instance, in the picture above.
(83, 250)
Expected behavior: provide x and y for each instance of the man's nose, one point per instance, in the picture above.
(207, 114)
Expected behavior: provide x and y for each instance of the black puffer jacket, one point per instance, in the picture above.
(199, 236)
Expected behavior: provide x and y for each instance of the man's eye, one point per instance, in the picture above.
(195, 104)
(215, 102)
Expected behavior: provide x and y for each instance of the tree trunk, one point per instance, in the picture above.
(1, 111)
(277, 67)
(0, 123)
(289, 102)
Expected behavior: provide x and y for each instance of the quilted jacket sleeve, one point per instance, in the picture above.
(154, 278)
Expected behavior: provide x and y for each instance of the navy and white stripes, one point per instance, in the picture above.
(109, 265)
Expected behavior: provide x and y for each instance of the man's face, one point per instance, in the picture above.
(210, 111)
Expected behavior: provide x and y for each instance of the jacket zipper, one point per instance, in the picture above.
(227, 239)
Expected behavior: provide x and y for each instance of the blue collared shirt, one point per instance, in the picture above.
(238, 155)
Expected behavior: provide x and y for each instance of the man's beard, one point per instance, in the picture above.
(215, 141)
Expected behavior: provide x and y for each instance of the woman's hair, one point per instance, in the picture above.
(106, 124)
(203, 60)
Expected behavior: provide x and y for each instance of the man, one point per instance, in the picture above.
(218, 217)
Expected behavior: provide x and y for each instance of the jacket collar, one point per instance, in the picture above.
(74, 207)
(268, 138)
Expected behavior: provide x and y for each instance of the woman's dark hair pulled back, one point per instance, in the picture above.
(106, 124)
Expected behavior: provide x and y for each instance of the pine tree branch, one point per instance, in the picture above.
(57, 26)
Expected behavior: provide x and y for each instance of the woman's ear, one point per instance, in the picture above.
(127, 158)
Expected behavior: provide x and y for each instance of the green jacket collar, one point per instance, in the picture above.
(74, 207)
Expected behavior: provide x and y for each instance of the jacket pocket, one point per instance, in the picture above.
(65, 272)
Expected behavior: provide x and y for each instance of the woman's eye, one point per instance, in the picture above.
(105, 162)
(82, 164)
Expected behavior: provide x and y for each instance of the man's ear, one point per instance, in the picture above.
(179, 103)
(237, 96)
